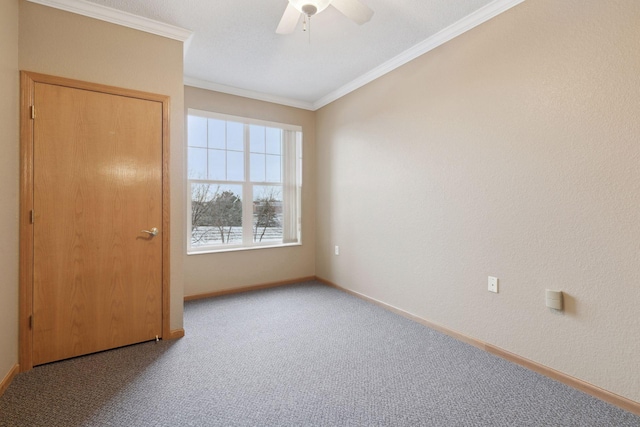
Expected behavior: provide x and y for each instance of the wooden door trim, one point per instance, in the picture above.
(27, 89)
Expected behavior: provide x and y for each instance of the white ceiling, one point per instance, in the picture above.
(234, 47)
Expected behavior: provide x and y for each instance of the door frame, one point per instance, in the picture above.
(27, 90)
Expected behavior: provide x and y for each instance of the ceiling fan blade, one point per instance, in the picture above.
(289, 20)
(353, 10)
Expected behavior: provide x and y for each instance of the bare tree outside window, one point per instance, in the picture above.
(215, 213)
(200, 215)
(267, 212)
(226, 212)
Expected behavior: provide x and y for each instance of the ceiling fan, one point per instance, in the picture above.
(352, 9)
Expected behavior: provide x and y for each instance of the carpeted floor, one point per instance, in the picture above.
(299, 355)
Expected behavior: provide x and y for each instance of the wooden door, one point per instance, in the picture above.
(97, 183)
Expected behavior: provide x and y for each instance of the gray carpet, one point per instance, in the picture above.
(299, 355)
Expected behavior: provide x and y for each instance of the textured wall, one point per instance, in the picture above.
(67, 45)
(206, 273)
(512, 151)
(9, 84)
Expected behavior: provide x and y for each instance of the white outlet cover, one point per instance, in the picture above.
(493, 284)
(337, 250)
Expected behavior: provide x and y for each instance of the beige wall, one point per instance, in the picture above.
(8, 186)
(205, 273)
(67, 45)
(514, 151)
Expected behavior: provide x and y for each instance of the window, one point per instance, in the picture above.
(244, 179)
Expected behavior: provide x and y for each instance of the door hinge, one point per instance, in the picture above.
(32, 216)
(33, 111)
(31, 322)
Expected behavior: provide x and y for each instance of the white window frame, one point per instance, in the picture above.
(291, 185)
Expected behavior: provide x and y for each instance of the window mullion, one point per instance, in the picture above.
(247, 194)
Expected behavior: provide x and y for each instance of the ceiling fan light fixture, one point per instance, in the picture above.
(310, 7)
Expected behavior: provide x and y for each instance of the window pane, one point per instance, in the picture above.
(197, 131)
(216, 133)
(256, 138)
(274, 141)
(235, 166)
(197, 163)
(216, 214)
(217, 166)
(267, 213)
(257, 168)
(274, 169)
(235, 136)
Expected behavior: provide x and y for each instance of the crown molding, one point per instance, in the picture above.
(103, 13)
(465, 24)
(216, 87)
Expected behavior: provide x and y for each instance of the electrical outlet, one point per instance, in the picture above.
(337, 250)
(493, 284)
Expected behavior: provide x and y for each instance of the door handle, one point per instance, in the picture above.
(153, 232)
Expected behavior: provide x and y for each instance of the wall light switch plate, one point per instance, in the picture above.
(337, 250)
(493, 284)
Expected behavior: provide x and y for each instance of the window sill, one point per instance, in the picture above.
(210, 250)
